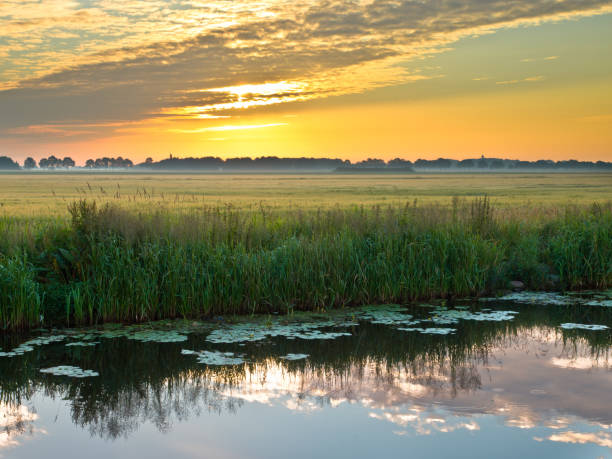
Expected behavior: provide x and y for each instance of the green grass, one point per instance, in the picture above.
(107, 262)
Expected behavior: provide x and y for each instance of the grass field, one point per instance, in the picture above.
(37, 194)
(95, 248)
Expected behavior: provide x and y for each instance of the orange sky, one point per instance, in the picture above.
(515, 79)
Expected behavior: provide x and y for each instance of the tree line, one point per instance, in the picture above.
(67, 162)
(274, 163)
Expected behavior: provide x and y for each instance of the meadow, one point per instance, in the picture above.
(48, 193)
(91, 248)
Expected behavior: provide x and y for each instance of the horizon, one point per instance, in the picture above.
(452, 163)
(521, 79)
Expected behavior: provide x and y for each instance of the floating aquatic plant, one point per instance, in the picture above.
(386, 315)
(145, 336)
(215, 357)
(572, 326)
(603, 303)
(558, 299)
(84, 336)
(158, 336)
(28, 346)
(431, 330)
(442, 316)
(295, 356)
(535, 298)
(240, 333)
(67, 370)
(82, 344)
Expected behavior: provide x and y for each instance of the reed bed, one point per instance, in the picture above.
(108, 263)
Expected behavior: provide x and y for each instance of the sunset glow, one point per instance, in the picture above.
(519, 79)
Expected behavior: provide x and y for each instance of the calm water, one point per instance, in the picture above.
(510, 384)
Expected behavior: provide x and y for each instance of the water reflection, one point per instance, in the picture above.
(16, 420)
(525, 374)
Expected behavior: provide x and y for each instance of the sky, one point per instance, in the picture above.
(521, 79)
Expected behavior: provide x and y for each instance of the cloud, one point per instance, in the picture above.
(534, 59)
(230, 127)
(597, 438)
(530, 79)
(135, 60)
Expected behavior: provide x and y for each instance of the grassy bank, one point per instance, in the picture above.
(107, 263)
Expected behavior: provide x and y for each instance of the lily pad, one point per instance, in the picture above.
(572, 326)
(603, 303)
(158, 336)
(386, 315)
(431, 330)
(295, 356)
(67, 370)
(82, 344)
(555, 298)
(241, 333)
(442, 316)
(29, 345)
(215, 357)
(145, 336)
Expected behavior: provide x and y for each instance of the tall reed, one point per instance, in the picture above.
(20, 299)
(109, 264)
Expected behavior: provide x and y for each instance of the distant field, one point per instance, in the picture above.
(39, 194)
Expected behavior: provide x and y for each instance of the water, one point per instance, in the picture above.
(507, 381)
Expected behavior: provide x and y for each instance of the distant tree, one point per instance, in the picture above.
(544, 164)
(102, 162)
(149, 160)
(371, 162)
(50, 163)
(496, 164)
(398, 162)
(441, 163)
(29, 163)
(467, 163)
(7, 163)
(68, 162)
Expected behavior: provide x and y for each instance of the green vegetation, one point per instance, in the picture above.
(109, 263)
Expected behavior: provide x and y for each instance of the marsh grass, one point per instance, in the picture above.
(107, 262)
(20, 300)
